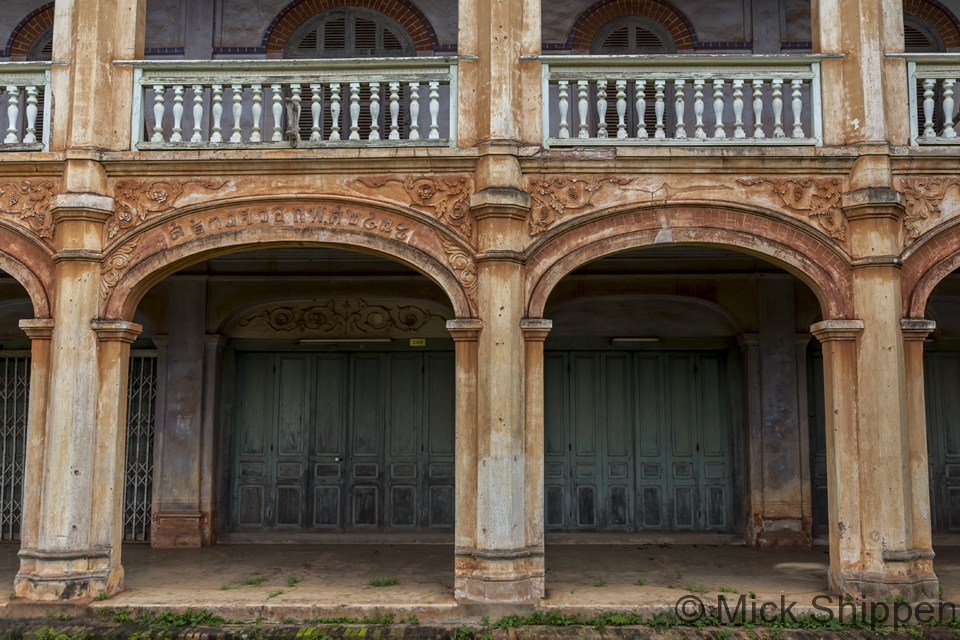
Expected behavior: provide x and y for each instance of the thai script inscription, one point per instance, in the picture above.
(178, 231)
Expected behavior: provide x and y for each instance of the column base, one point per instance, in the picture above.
(177, 529)
(499, 576)
(914, 581)
(71, 575)
(780, 533)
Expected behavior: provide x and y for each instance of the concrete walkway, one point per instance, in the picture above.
(304, 582)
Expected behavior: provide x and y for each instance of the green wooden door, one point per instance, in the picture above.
(636, 440)
(337, 442)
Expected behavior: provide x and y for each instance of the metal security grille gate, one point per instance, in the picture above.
(14, 402)
(14, 396)
(141, 405)
(344, 442)
(637, 441)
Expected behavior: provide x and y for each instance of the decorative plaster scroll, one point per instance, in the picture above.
(114, 265)
(29, 202)
(817, 198)
(447, 197)
(139, 199)
(923, 199)
(554, 197)
(465, 267)
(342, 316)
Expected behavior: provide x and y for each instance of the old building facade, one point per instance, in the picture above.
(482, 273)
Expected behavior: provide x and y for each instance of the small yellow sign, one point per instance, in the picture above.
(418, 342)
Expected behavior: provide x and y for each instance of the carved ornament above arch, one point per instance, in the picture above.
(164, 244)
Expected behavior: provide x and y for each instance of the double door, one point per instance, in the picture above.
(341, 442)
(637, 441)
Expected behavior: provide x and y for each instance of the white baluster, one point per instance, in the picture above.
(777, 84)
(13, 114)
(699, 133)
(335, 111)
(948, 130)
(30, 125)
(277, 113)
(621, 109)
(601, 108)
(256, 112)
(564, 106)
(159, 92)
(797, 106)
(738, 132)
(660, 107)
(316, 110)
(718, 131)
(640, 86)
(217, 112)
(177, 114)
(434, 110)
(928, 87)
(678, 84)
(237, 91)
(582, 108)
(197, 113)
(354, 110)
(394, 110)
(414, 111)
(374, 111)
(758, 133)
(295, 99)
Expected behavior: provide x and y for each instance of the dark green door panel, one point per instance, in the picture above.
(339, 442)
(636, 440)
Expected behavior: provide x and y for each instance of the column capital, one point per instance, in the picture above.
(916, 328)
(873, 202)
(212, 339)
(535, 329)
(88, 207)
(465, 329)
(500, 202)
(38, 328)
(837, 330)
(747, 340)
(116, 330)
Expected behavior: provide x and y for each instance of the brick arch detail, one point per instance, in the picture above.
(299, 11)
(31, 265)
(28, 29)
(600, 13)
(924, 268)
(142, 258)
(819, 265)
(939, 17)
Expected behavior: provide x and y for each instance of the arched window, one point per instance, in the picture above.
(920, 37)
(350, 32)
(632, 35)
(41, 49)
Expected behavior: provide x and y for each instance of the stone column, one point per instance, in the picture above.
(465, 334)
(890, 563)
(77, 551)
(179, 433)
(534, 333)
(212, 367)
(803, 403)
(40, 332)
(868, 97)
(753, 435)
(918, 470)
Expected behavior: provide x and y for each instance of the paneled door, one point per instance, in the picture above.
(344, 442)
(637, 440)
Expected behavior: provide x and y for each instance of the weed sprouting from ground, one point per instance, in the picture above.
(388, 581)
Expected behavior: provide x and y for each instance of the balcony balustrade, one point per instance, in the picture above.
(933, 109)
(24, 106)
(370, 102)
(681, 100)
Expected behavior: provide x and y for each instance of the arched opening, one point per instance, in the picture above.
(303, 394)
(349, 32)
(675, 398)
